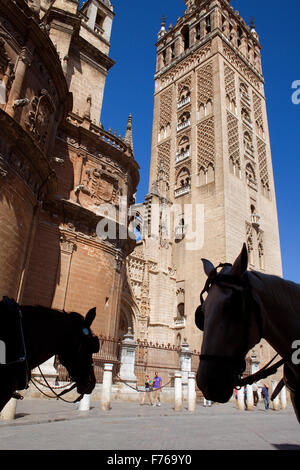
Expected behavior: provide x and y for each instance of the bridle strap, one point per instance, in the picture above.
(235, 283)
(59, 395)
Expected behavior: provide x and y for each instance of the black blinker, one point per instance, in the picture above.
(199, 318)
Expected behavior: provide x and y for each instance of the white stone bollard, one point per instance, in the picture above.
(85, 402)
(283, 399)
(106, 387)
(9, 411)
(240, 399)
(192, 391)
(250, 400)
(178, 391)
(276, 403)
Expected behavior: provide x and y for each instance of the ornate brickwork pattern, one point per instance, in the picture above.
(166, 100)
(229, 76)
(186, 82)
(187, 64)
(206, 143)
(164, 151)
(258, 115)
(234, 59)
(205, 84)
(233, 139)
(263, 162)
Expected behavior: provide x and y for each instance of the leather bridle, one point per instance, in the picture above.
(241, 285)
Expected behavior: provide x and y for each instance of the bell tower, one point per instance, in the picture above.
(210, 134)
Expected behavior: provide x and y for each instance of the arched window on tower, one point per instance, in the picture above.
(183, 182)
(185, 32)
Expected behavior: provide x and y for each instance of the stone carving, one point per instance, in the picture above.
(263, 165)
(67, 245)
(205, 84)
(206, 143)
(187, 64)
(35, 6)
(164, 151)
(234, 59)
(229, 76)
(39, 117)
(233, 140)
(98, 185)
(166, 108)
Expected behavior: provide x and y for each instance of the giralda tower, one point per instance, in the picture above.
(211, 148)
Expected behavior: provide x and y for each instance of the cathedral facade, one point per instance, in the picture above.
(60, 170)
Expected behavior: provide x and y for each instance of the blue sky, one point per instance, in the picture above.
(130, 86)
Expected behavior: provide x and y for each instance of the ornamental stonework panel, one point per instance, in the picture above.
(205, 84)
(97, 187)
(166, 100)
(258, 115)
(206, 143)
(263, 162)
(233, 139)
(229, 77)
(187, 64)
(244, 69)
(163, 157)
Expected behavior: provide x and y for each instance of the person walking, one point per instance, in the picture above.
(148, 390)
(255, 393)
(265, 395)
(157, 384)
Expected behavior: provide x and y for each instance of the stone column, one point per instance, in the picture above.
(283, 400)
(240, 399)
(9, 411)
(128, 359)
(185, 361)
(276, 403)
(106, 387)
(192, 392)
(178, 391)
(250, 400)
(84, 404)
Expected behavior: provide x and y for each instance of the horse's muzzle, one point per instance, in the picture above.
(216, 382)
(86, 387)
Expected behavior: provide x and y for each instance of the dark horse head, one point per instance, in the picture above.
(77, 354)
(227, 319)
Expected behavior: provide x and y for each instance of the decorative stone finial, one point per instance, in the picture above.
(128, 139)
(162, 31)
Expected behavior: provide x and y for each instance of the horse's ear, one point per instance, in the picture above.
(241, 263)
(207, 266)
(90, 317)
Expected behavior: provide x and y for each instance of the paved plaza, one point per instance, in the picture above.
(52, 425)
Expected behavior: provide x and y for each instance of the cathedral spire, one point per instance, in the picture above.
(128, 136)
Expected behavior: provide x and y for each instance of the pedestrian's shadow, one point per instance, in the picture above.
(286, 446)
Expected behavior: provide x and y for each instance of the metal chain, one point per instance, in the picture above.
(142, 391)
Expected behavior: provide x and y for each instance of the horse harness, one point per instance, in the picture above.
(237, 283)
(21, 364)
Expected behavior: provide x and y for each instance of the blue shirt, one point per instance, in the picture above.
(157, 382)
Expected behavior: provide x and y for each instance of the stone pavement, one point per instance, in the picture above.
(51, 425)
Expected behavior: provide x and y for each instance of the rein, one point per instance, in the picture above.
(57, 396)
